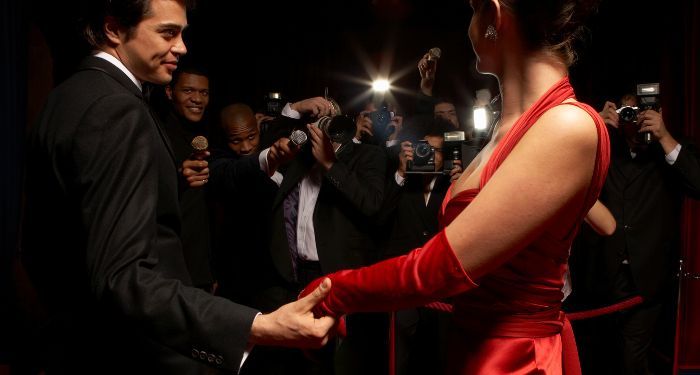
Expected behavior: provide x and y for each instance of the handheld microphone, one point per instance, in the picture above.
(199, 144)
(433, 55)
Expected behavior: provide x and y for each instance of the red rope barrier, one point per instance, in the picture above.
(587, 314)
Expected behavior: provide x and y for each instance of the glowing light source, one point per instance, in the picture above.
(481, 118)
(380, 85)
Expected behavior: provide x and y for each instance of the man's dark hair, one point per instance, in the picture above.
(187, 69)
(128, 13)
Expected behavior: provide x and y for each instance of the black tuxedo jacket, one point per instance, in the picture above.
(410, 223)
(196, 232)
(351, 194)
(101, 240)
(644, 194)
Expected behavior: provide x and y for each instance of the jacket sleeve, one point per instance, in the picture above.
(131, 244)
(688, 166)
(364, 184)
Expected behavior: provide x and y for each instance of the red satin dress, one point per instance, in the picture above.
(512, 323)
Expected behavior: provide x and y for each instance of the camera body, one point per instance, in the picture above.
(423, 158)
(648, 95)
(381, 119)
(273, 104)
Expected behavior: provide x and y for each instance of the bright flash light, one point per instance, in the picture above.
(480, 118)
(380, 85)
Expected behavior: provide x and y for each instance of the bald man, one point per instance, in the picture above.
(240, 128)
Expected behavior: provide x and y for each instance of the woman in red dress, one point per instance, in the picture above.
(509, 220)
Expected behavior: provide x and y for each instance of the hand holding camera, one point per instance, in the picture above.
(651, 122)
(364, 125)
(315, 107)
(405, 155)
(610, 115)
(321, 147)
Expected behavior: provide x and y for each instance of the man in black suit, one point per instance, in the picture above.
(410, 217)
(321, 217)
(644, 190)
(188, 94)
(101, 238)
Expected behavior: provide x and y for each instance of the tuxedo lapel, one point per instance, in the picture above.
(102, 65)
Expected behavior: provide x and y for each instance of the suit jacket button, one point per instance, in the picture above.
(219, 359)
(195, 353)
(210, 358)
(202, 355)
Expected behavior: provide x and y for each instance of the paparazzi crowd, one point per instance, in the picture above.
(294, 190)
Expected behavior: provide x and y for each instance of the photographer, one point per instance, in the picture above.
(411, 212)
(649, 177)
(378, 125)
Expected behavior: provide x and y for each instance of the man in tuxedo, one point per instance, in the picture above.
(644, 190)
(101, 238)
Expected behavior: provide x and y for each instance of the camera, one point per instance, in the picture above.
(273, 104)
(339, 128)
(423, 158)
(381, 119)
(648, 94)
(452, 149)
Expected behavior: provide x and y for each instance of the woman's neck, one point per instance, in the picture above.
(524, 80)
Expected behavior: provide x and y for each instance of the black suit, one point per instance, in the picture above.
(644, 194)
(351, 193)
(243, 196)
(101, 240)
(196, 233)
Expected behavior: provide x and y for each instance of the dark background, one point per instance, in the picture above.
(299, 48)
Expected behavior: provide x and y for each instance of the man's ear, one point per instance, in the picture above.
(169, 92)
(113, 31)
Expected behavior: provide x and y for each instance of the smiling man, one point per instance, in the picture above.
(102, 224)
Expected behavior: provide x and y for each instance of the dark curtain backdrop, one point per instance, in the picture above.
(688, 61)
(13, 78)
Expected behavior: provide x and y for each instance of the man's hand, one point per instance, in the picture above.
(427, 74)
(456, 170)
(196, 170)
(315, 107)
(363, 124)
(405, 154)
(610, 115)
(281, 152)
(294, 324)
(651, 121)
(321, 147)
(396, 123)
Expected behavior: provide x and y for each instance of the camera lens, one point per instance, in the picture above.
(423, 150)
(339, 129)
(628, 114)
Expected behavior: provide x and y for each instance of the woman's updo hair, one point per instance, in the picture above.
(553, 25)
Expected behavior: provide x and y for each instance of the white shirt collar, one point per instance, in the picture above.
(120, 65)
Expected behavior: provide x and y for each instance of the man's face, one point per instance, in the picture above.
(155, 45)
(190, 96)
(447, 112)
(242, 137)
(437, 142)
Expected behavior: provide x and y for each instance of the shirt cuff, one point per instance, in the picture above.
(392, 142)
(673, 155)
(399, 180)
(287, 111)
(262, 158)
(356, 141)
(246, 352)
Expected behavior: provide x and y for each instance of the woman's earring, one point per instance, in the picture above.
(491, 33)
